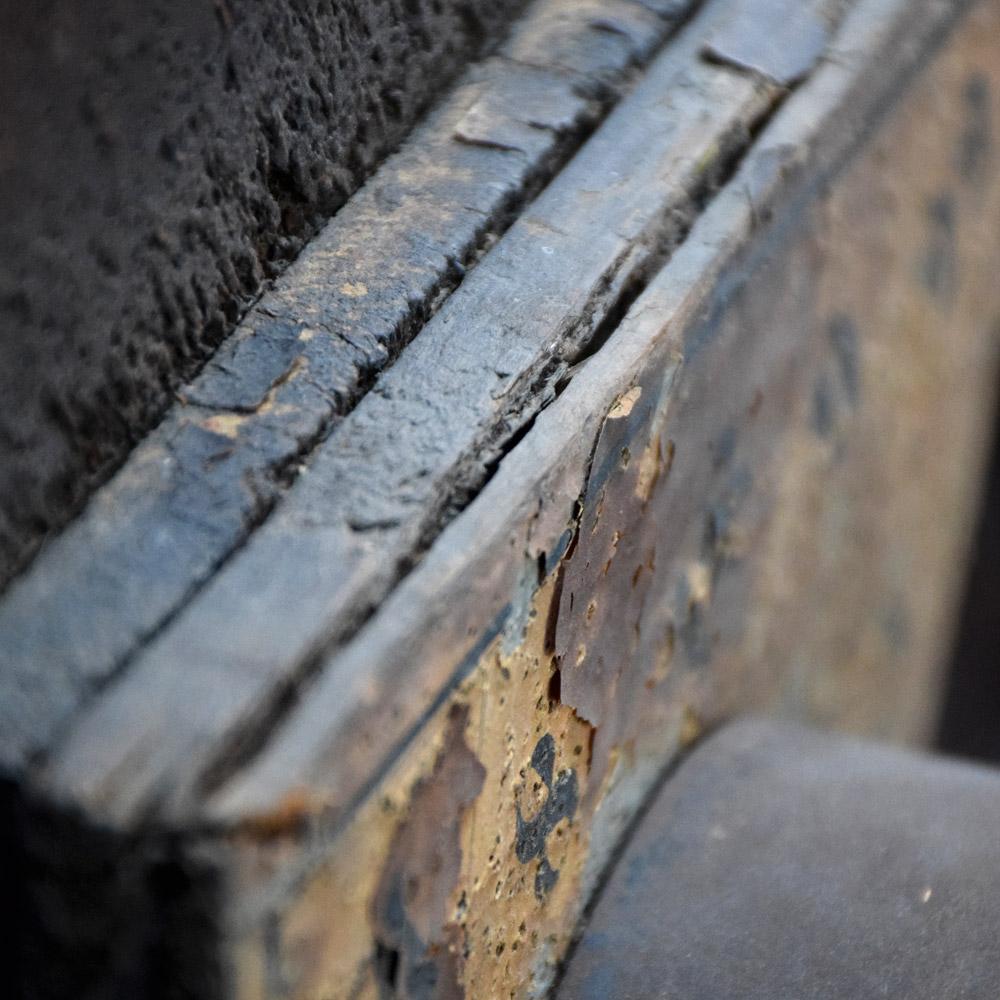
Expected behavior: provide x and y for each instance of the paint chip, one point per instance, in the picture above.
(225, 424)
(624, 404)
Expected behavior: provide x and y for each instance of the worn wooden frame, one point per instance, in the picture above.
(733, 469)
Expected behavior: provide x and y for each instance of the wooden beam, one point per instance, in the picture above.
(413, 451)
(197, 487)
(698, 434)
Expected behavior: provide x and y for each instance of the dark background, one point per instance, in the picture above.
(970, 720)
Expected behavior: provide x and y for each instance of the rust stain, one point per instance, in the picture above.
(418, 947)
(526, 841)
(289, 819)
(624, 404)
(655, 462)
(229, 424)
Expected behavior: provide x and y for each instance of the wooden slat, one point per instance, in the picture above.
(416, 446)
(467, 592)
(785, 47)
(668, 544)
(196, 488)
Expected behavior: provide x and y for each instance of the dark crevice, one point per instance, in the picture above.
(969, 723)
(555, 686)
(386, 969)
(138, 912)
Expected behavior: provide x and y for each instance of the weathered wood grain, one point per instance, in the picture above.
(751, 491)
(197, 486)
(755, 434)
(160, 164)
(416, 447)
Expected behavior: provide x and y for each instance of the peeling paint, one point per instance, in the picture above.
(701, 576)
(418, 949)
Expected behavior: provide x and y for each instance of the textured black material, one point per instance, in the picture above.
(778, 864)
(159, 160)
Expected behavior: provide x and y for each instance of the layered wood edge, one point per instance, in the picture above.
(477, 586)
(393, 470)
(197, 487)
(391, 667)
(595, 605)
